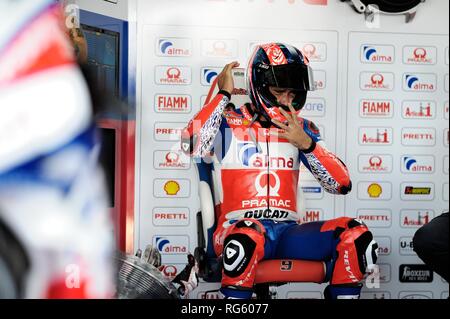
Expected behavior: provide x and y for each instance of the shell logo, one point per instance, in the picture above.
(374, 190)
(171, 188)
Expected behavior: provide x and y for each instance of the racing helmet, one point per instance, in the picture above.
(278, 65)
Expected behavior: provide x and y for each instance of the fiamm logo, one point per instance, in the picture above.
(176, 47)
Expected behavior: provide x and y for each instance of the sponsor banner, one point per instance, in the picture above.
(168, 131)
(173, 47)
(170, 216)
(376, 81)
(375, 295)
(446, 164)
(374, 190)
(375, 136)
(303, 295)
(173, 103)
(415, 273)
(375, 218)
(170, 271)
(378, 54)
(312, 215)
(172, 75)
(384, 245)
(311, 190)
(445, 191)
(417, 191)
(372, 108)
(172, 244)
(208, 75)
(417, 164)
(314, 51)
(406, 246)
(375, 163)
(415, 295)
(171, 188)
(320, 79)
(413, 218)
(171, 160)
(417, 136)
(419, 110)
(314, 107)
(219, 48)
(419, 55)
(419, 82)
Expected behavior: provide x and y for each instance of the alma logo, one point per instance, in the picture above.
(177, 47)
(418, 109)
(376, 108)
(209, 75)
(417, 164)
(171, 245)
(419, 82)
(377, 54)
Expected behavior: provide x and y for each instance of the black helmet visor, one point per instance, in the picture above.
(288, 76)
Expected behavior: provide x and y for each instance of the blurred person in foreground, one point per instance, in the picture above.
(56, 236)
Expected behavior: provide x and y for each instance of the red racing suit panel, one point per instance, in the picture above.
(258, 173)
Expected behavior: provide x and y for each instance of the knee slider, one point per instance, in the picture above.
(237, 254)
(367, 250)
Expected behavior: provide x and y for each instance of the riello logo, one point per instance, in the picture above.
(418, 109)
(424, 82)
(376, 108)
(377, 54)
